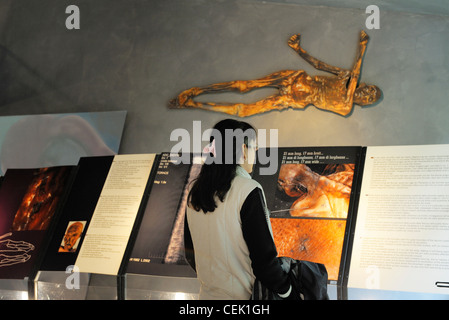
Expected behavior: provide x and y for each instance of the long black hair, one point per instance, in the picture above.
(216, 175)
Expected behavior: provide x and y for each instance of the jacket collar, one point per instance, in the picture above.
(242, 172)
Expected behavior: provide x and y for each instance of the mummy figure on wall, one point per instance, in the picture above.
(296, 89)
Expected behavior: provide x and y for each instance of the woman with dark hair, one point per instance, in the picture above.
(228, 227)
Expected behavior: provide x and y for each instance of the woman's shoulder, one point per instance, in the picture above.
(246, 183)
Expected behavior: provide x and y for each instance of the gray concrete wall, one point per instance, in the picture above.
(136, 55)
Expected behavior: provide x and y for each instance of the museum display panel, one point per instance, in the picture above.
(157, 268)
(310, 198)
(401, 237)
(375, 216)
(113, 227)
(95, 228)
(30, 200)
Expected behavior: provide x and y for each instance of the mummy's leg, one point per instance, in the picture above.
(275, 80)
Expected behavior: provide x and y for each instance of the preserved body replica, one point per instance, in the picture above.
(296, 89)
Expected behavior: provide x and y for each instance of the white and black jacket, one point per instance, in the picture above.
(234, 244)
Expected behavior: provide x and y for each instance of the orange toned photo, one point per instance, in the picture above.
(316, 240)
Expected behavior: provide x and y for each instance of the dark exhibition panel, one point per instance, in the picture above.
(106, 108)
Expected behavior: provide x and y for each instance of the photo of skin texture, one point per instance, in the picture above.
(316, 240)
(317, 193)
(41, 199)
(72, 235)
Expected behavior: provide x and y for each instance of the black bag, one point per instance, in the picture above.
(309, 281)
